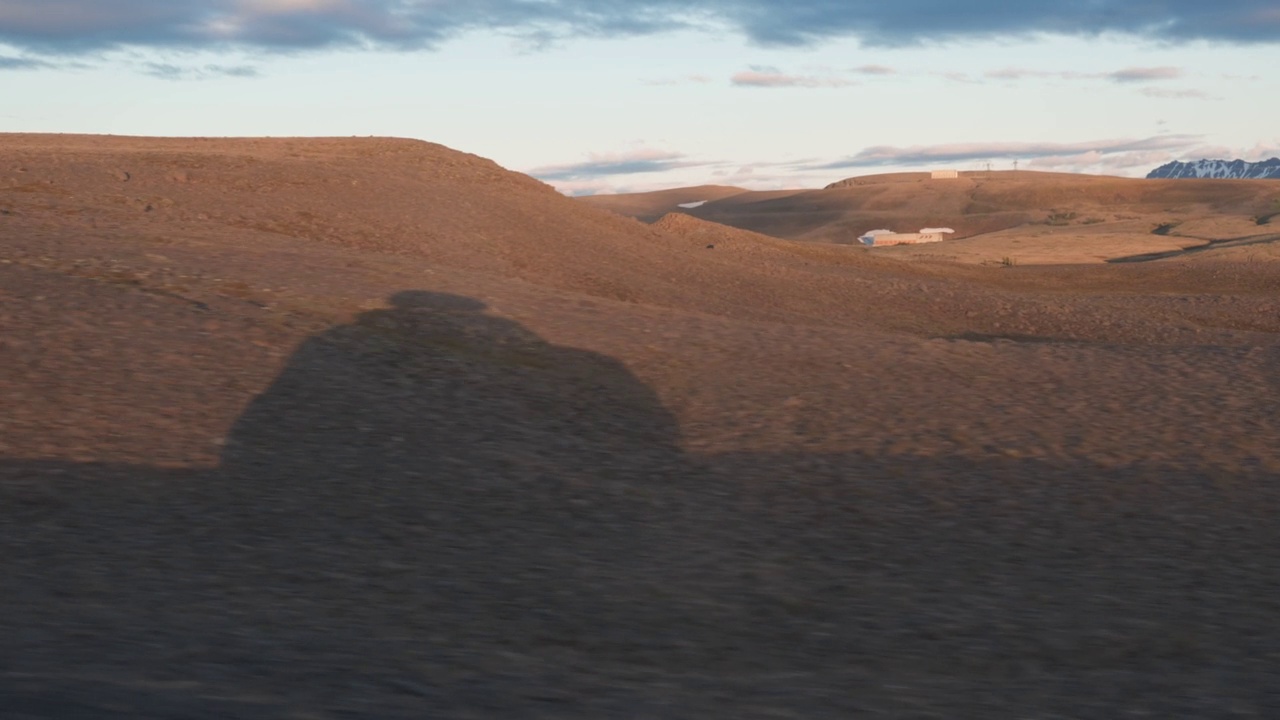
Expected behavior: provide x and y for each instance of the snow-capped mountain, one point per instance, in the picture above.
(1233, 169)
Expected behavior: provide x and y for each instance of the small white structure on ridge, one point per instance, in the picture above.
(944, 175)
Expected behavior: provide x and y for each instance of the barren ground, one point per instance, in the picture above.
(371, 428)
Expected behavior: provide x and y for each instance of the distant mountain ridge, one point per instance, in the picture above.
(1219, 169)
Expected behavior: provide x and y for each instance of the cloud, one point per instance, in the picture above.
(751, 176)
(23, 63)
(774, 79)
(1018, 73)
(886, 156)
(768, 176)
(694, 79)
(874, 70)
(1261, 151)
(584, 188)
(798, 22)
(1012, 73)
(646, 169)
(1144, 74)
(598, 165)
(168, 71)
(90, 26)
(1139, 162)
(1096, 161)
(1125, 75)
(1175, 94)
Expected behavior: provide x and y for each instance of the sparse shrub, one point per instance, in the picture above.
(1092, 220)
(1007, 261)
(1060, 218)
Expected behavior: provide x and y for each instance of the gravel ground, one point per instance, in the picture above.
(245, 475)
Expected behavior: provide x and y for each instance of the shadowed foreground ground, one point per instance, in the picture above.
(432, 512)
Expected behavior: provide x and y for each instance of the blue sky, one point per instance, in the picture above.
(623, 95)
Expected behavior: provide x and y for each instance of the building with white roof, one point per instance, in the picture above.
(883, 238)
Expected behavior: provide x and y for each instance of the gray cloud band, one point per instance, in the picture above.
(884, 156)
(80, 26)
(20, 63)
(613, 166)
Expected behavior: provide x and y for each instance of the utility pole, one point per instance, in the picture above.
(1015, 166)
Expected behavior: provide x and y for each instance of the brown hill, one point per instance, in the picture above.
(683, 225)
(384, 196)
(370, 428)
(648, 207)
(974, 204)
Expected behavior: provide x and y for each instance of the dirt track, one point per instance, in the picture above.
(460, 447)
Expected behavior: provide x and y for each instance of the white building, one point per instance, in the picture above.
(944, 175)
(884, 238)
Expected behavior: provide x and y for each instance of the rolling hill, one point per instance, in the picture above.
(975, 204)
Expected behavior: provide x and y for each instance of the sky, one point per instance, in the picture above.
(601, 96)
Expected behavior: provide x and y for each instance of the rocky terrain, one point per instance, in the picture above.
(1219, 169)
(370, 428)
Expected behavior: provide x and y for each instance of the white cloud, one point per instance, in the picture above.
(692, 79)
(773, 79)
(1183, 94)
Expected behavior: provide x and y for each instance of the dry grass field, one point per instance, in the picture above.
(370, 428)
